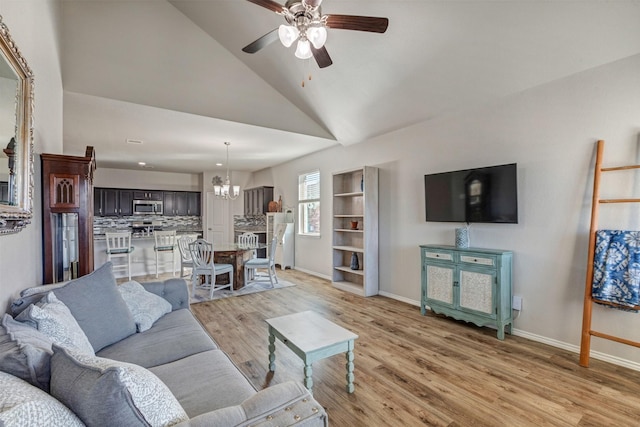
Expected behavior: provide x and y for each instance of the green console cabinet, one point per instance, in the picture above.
(470, 284)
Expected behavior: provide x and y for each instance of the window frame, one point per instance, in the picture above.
(303, 220)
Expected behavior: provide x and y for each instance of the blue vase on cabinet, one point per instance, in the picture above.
(354, 262)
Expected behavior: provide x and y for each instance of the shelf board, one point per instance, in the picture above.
(354, 194)
(348, 215)
(347, 269)
(348, 249)
(348, 230)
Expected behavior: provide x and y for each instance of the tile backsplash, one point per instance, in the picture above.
(182, 223)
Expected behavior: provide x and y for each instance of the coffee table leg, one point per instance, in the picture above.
(308, 381)
(350, 356)
(272, 352)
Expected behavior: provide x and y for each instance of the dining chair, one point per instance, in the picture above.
(249, 240)
(204, 265)
(165, 243)
(185, 254)
(119, 246)
(263, 263)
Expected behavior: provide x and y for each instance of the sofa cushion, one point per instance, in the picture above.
(145, 307)
(106, 392)
(22, 404)
(95, 303)
(52, 317)
(205, 382)
(159, 344)
(25, 352)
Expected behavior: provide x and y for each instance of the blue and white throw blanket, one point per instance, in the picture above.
(616, 268)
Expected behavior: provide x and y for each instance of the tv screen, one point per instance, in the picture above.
(488, 194)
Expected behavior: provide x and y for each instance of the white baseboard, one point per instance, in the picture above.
(539, 338)
(399, 298)
(313, 273)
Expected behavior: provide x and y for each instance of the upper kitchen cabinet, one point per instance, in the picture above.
(181, 203)
(112, 202)
(194, 204)
(256, 200)
(148, 195)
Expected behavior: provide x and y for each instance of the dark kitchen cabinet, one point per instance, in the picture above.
(169, 198)
(256, 200)
(181, 203)
(194, 204)
(112, 202)
(148, 195)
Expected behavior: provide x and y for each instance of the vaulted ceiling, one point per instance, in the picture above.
(171, 73)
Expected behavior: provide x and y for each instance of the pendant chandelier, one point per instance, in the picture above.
(223, 191)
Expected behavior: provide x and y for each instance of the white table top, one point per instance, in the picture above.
(309, 331)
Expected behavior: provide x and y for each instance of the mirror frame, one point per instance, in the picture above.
(14, 218)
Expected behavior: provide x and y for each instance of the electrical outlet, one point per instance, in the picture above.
(516, 304)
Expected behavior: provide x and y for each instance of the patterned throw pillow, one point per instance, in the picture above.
(22, 404)
(145, 307)
(51, 317)
(25, 352)
(107, 392)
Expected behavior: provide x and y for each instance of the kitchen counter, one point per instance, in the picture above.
(250, 230)
(135, 236)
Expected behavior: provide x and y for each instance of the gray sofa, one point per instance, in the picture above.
(133, 363)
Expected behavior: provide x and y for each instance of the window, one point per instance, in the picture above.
(309, 203)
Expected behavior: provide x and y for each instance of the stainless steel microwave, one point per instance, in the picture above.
(147, 207)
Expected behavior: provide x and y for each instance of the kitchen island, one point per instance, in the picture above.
(143, 258)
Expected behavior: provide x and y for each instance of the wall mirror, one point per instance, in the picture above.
(16, 136)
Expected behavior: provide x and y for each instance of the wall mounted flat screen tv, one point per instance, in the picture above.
(488, 194)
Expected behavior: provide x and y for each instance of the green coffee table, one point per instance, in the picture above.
(312, 338)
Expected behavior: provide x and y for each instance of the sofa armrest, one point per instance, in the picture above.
(284, 404)
(175, 291)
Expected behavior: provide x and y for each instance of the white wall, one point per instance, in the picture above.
(146, 179)
(550, 131)
(34, 25)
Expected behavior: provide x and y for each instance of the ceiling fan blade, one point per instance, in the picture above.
(312, 3)
(321, 56)
(359, 23)
(269, 4)
(263, 41)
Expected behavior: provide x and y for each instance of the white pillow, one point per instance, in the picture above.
(107, 392)
(22, 404)
(145, 306)
(53, 318)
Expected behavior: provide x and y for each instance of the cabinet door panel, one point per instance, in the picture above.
(181, 206)
(476, 291)
(126, 203)
(440, 283)
(110, 202)
(169, 208)
(194, 204)
(97, 202)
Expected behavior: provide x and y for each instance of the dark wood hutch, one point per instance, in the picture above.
(67, 215)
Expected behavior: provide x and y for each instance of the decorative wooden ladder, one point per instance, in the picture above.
(587, 332)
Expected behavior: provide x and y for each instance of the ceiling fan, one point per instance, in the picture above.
(308, 26)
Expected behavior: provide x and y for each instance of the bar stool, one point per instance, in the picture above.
(165, 242)
(119, 246)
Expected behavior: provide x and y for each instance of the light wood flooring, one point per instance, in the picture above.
(413, 370)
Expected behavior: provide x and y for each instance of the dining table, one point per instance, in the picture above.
(236, 255)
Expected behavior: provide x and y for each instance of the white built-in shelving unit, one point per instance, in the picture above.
(355, 198)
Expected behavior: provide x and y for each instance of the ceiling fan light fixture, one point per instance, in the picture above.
(303, 50)
(288, 34)
(317, 35)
